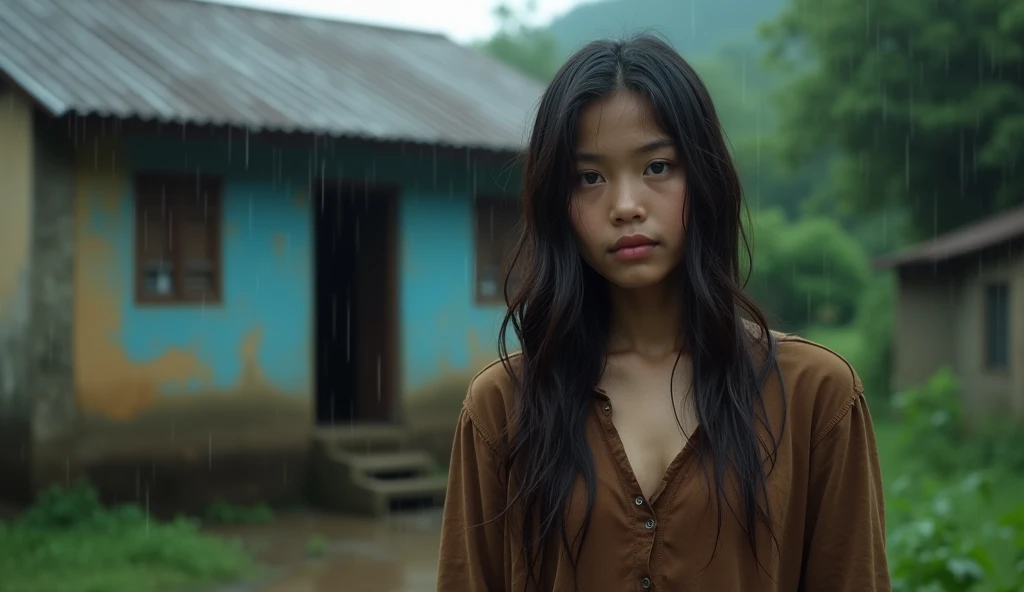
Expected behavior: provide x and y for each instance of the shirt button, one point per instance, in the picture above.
(639, 500)
(646, 583)
(649, 524)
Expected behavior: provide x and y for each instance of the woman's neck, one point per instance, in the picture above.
(646, 321)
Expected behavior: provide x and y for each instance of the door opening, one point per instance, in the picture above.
(356, 303)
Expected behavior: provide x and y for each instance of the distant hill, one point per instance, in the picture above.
(696, 28)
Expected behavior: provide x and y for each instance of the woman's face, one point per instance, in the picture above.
(628, 206)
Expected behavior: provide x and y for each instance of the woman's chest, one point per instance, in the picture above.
(689, 536)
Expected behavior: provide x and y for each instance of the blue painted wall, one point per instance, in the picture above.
(445, 333)
(262, 332)
(259, 337)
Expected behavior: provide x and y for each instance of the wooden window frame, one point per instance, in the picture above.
(988, 361)
(495, 221)
(175, 189)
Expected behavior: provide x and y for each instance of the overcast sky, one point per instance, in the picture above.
(461, 20)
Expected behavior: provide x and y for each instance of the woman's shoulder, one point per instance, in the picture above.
(491, 396)
(821, 386)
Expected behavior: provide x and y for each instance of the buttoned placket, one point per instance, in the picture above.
(647, 519)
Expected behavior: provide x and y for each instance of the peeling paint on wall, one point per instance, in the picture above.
(130, 358)
(446, 337)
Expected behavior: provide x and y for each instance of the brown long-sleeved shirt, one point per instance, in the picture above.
(825, 495)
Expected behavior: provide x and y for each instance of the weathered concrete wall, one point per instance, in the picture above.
(177, 400)
(940, 322)
(16, 186)
(446, 336)
(191, 380)
(925, 340)
(49, 345)
(986, 390)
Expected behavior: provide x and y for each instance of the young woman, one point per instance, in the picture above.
(652, 434)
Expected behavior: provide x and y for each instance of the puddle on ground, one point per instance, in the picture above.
(325, 552)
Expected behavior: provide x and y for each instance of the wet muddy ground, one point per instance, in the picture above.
(314, 552)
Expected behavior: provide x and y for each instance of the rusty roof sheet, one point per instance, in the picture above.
(990, 232)
(196, 62)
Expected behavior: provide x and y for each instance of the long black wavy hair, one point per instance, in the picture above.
(560, 308)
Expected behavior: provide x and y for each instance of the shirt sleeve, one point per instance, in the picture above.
(472, 529)
(845, 548)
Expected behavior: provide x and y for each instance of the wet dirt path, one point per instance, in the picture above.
(324, 552)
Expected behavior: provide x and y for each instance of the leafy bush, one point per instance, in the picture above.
(932, 546)
(806, 272)
(937, 428)
(956, 522)
(69, 542)
(874, 324)
(930, 549)
(933, 422)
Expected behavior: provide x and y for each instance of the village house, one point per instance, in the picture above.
(245, 255)
(958, 306)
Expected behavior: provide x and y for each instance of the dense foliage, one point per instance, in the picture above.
(922, 100)
(806, 272)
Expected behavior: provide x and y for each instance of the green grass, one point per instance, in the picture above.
(69, 543)
(845, 341)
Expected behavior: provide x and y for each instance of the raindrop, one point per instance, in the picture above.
(963, 170)
(378, 377)
(348, 328)
(247, 148)
(229, 145)
(906, 161)
(334, 316)
(209, 450)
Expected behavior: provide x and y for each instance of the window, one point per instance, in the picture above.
(496, 220)
(177, 239)
(997, 326)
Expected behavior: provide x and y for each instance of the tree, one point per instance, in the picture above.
(529, 49)
(807, 272)
(922, 100)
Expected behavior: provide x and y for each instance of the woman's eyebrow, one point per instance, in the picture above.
(648, 147)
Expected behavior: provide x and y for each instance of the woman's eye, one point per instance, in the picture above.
(590, 178)
(657, 168)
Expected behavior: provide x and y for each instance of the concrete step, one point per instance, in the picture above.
(405, 494)
(389, 465)
(368, 470)
(364, 438)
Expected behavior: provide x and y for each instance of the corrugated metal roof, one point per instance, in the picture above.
(197, 62)
(990, 232)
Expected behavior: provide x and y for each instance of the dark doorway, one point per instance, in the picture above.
(356, 303)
